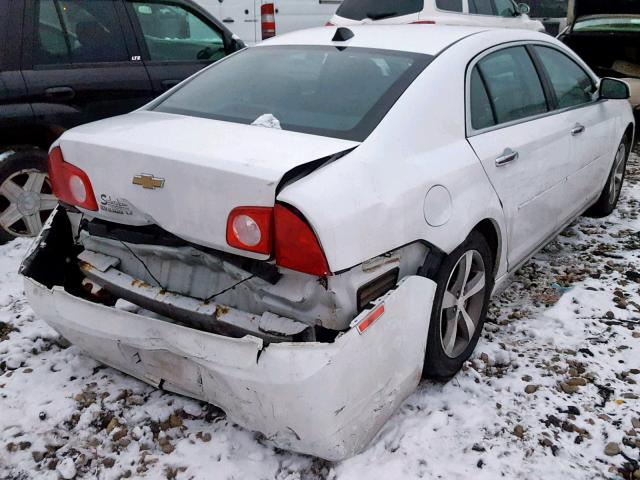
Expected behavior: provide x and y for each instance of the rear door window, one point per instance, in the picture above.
(481, 109)
(513, 85)
(449, 5)
(571, 84)
(378, 9)
(174, 34)
(78, 31)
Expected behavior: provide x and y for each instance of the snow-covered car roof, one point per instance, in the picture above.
(426, 39)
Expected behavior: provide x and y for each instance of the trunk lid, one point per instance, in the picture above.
(186, 174)
(583, 8)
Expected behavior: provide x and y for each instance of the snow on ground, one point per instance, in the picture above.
(550, 393)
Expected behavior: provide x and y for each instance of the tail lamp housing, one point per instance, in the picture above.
(268, 20)
(280, 232)
(69, 183)
(251, 229)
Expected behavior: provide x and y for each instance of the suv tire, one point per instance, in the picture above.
(26, 199)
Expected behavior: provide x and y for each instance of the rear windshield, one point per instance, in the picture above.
(378, 9)
(341, 93)
(548, 8)
(625, 25)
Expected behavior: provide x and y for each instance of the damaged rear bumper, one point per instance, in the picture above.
(323, 399)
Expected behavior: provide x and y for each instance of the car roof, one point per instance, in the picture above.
(426, 39)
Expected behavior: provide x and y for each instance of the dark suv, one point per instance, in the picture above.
(68, 62)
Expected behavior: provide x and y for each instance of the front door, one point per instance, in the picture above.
(525, 152)
(176, 40)
(589, 125)
(79, 62)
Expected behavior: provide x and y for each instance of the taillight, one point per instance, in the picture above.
(424, 22)
(70, 184)
(329, 24)
(296, 246)
(268, 20)
(251, 229)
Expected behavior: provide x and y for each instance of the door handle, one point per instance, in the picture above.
(578, 129)
(60, 93)
(507, 157)
(228, 20)
(167, 84)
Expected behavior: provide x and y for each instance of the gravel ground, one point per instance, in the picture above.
(550, 393)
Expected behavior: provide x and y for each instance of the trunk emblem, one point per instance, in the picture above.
(148, 181)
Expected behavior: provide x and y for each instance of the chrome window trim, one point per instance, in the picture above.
(471, 132)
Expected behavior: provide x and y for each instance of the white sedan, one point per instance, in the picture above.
(299, 232)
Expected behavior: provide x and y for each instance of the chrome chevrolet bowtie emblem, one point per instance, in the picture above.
(147, 181)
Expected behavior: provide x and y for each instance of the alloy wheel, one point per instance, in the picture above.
(615, 182)
(462, 303)
(26, 200)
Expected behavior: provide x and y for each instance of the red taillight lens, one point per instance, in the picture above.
(251, 229)
(424, 22)
(268, 19)
(329, 24)
(70, 184)
(296, 246)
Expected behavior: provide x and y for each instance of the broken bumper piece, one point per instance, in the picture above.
(323, 399)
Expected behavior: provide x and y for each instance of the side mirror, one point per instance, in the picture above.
(524, 9)
(614, 89)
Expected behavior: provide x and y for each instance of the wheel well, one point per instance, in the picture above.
(490, 231)
(629, 133)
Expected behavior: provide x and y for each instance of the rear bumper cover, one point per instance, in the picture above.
(323, 399)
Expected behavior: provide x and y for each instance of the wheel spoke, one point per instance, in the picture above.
(11, 190)
(34, 182)
(48, 202)
(10, 216)
(468, 263)
(449, 300)
(451, 333)
(470, 327)
(33, 223)
(475, 286)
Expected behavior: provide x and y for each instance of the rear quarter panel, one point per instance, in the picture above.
(373, 200)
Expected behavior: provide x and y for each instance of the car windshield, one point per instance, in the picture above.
(378, 9)
(608, 25)
(548, 8)
(334, 92)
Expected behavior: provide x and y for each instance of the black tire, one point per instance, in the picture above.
(438, 364)
(608, 200)
(13, 161)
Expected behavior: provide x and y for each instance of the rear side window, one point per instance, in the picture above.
(449, 5)
(172, 33)
(571, 84)
(78, 31)
(481, 109)
(513, 85)
(318, 90)
(378, 9)
(481, 7)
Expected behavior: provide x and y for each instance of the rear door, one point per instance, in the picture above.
(296, 14)
(176, 40)
(80, 63)
(525, 151)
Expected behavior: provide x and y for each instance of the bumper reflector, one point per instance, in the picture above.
(370, 319)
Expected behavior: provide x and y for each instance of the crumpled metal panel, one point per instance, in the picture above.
(323, 399)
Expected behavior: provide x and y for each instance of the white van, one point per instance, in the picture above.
(257, 20)
(477, 13)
